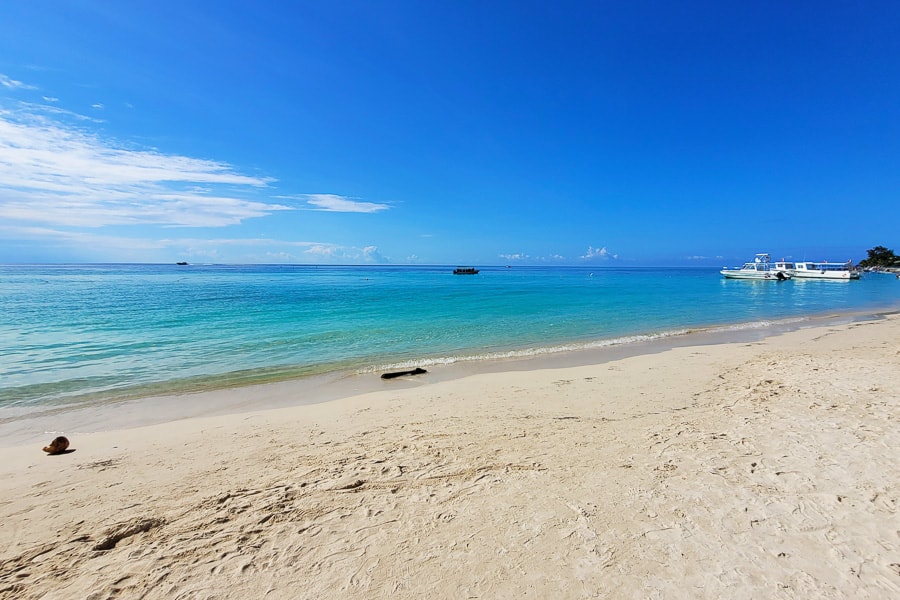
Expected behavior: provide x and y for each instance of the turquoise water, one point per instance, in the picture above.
(75, 332)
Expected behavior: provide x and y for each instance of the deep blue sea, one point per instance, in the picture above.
(74, 332)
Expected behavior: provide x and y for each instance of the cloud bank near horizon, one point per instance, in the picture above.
(61, 184)
(57, 174)
(64, 185)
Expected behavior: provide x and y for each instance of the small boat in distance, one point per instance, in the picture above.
(181, 262)
(760, 268)
(465, 271)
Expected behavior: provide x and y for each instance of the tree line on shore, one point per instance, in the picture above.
(880, 257)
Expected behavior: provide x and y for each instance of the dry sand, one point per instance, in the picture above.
(745, 470)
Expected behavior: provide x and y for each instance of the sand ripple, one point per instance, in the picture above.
(766, 470)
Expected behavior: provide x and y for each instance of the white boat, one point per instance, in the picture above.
(814, 270)
(784, 265)
(760, 268)
(825, 270)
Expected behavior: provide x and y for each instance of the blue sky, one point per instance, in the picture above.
(464, 132)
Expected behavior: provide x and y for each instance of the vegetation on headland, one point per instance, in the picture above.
(880, 257)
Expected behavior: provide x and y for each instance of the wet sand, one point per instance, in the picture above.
(753, 469)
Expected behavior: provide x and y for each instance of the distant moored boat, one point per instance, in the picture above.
(465, 271)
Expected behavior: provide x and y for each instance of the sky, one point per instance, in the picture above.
(507, 132)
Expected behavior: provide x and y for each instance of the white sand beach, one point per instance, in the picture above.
(768, 469)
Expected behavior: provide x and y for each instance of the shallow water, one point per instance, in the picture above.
(76, 333)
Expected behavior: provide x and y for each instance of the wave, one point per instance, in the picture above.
(525, 352)
(561, 348)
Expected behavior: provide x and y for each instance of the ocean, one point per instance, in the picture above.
(71, 334)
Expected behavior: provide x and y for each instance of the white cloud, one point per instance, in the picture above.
(31, 110)
(598, 254)
(13, 84)
(323, 250)
(59, 175)
(516, 256)
(331, 253)
(371, 254)
(335, 203)
(98, 106)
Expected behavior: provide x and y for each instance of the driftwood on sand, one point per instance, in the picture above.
(416, 371)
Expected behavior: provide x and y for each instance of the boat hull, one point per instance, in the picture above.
(831, 276)
(758, 275)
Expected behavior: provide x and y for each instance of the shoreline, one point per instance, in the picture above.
(190, 340)
(754, 468)
(36, 422)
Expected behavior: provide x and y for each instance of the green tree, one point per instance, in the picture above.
(879, 256)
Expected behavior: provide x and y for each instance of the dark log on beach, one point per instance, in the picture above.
(416, 371)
